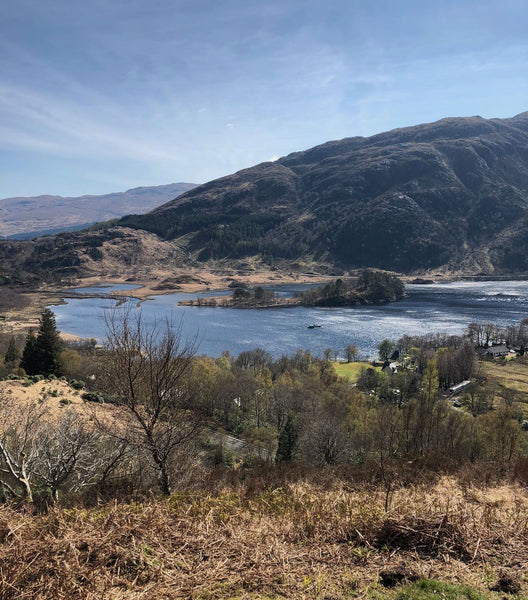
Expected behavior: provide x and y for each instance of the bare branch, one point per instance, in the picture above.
(145, 370)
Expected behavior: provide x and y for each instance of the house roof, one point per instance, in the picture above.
(497, 350)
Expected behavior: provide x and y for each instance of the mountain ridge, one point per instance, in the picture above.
(34, 215)
(449, 196)
(456, 181)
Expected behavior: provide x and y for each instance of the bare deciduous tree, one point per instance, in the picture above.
(71, 455)
(145, 370)
(19, 429)
(351, 353)
(48, 454)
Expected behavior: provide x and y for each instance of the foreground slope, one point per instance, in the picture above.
(292, 537)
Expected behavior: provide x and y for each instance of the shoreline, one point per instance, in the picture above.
(214, 282)
(191, 281)
(18, 321)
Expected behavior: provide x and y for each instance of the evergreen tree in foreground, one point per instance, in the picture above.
(29, 361)
(41, 353)
(49, 345)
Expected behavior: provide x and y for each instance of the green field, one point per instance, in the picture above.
(508, 374)
(352, 370)
(510, 380)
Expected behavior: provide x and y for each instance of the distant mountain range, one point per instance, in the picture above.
(23, 218)
(450, 195)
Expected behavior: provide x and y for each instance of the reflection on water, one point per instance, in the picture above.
(447, 307)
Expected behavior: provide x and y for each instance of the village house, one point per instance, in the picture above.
(389, 368)
(497, 351)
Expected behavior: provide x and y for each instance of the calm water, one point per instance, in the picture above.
(448, 307)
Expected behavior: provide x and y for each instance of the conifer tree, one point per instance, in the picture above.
(49, 345)
(13, 354)
(41, 353)
(29, 361)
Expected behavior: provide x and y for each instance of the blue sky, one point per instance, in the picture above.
(104, 95)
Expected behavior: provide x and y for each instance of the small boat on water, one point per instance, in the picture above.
(313, 326)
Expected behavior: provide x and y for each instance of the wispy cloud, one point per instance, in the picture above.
(42, 121)
(194, 90)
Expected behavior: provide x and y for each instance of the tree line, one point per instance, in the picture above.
(151, 403)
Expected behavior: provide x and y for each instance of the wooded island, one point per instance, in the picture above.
(370, 287)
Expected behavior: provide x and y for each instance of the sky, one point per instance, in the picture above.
(98, 96)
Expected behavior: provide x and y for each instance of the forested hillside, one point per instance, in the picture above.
(454, 192)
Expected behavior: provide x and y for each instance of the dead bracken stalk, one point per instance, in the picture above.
(296, 540)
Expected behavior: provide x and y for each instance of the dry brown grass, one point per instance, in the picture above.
(52, 397)
(300, 540)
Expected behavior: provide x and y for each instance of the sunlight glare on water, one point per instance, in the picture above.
(446, 307)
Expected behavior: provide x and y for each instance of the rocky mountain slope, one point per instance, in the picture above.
(23, 217)
(450, 195)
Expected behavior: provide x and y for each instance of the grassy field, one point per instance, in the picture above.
(510, 379)
(351, 370)
(512, 374)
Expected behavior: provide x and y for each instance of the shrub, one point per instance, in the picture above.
(92, 397)
(77, 384)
